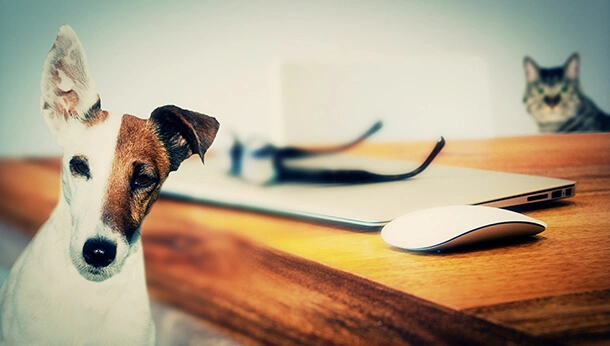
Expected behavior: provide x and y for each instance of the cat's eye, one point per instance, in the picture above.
(540, 91)
(80, 167)
(564, 89)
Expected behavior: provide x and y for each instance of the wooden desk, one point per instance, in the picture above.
(269, 280)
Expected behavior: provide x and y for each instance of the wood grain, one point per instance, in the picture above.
(275, 298)
(29, 189)
(265, 279)
(578, 318)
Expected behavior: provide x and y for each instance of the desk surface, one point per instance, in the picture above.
(265, 279)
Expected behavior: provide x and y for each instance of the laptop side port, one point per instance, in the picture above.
(538, 197)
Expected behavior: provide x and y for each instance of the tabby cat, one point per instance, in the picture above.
(554, 98)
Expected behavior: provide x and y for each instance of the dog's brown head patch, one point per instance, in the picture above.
(139, 168)
(146, 152)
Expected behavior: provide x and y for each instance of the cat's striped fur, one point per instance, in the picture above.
(554, 98)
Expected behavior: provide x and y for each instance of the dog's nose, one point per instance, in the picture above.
(99, 252)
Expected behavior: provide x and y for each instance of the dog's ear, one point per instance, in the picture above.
(183, 132)
(68, 91)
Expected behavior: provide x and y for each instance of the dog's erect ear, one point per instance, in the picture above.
(183, 132)
(68, 91)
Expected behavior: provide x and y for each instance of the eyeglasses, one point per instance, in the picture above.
(265, 163)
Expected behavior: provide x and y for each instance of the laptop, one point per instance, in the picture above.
(368, 206)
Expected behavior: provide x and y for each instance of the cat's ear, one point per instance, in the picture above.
(571, 68)
(531, 69)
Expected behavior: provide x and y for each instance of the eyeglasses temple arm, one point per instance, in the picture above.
(294, 152)
(440, 144)
(287, 174)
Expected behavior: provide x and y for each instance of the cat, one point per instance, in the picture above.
(554, 98)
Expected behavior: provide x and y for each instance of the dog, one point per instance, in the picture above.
(81, 279)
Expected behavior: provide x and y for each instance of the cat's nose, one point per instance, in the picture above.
(552, 101)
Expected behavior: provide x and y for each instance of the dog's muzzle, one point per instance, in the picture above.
(99, 252)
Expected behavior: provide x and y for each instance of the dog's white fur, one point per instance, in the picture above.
(52, 296)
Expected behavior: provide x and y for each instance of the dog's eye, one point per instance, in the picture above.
(142, 180)
(79, 166)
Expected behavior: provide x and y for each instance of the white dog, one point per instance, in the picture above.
(81, 279)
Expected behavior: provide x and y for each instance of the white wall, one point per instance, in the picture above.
(227, 58)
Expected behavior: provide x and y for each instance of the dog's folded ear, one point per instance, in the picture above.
(68, 91)
(183, 132)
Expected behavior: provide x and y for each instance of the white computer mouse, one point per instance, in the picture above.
(444, 228)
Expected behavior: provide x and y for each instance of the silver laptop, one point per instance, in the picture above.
(366, 205)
